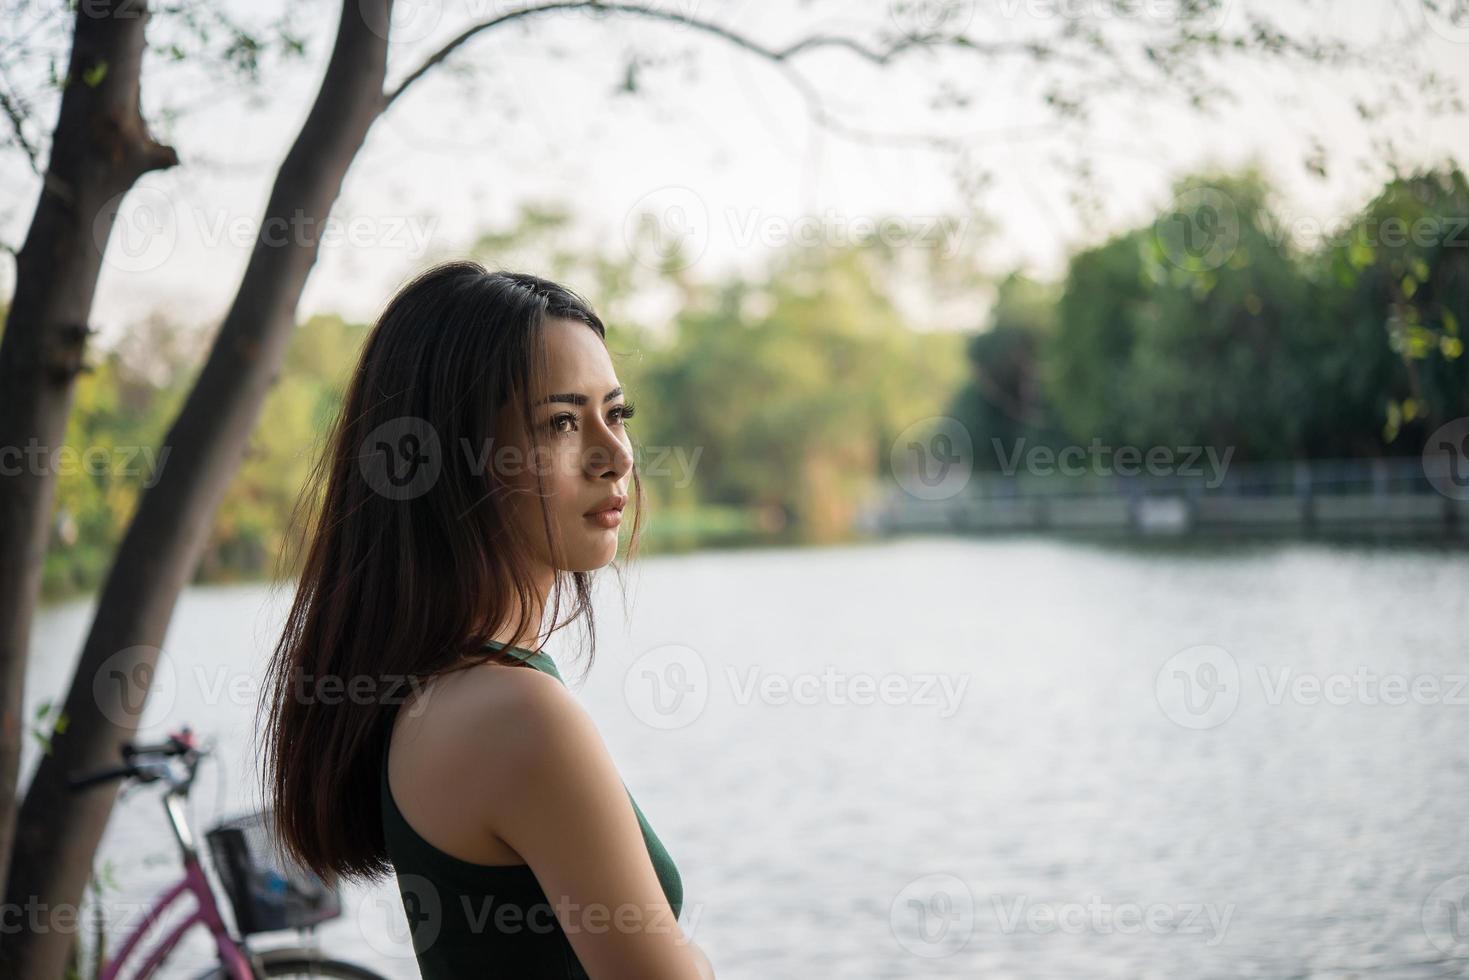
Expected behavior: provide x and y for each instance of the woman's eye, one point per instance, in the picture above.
(619, 414)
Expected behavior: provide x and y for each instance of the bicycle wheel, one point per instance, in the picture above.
(301, 962)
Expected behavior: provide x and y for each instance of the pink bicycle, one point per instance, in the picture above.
(266, 894)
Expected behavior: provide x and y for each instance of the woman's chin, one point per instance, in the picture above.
(594, 554)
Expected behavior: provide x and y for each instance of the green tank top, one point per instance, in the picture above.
(483, 921)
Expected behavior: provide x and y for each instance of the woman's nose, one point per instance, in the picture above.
(610, 453)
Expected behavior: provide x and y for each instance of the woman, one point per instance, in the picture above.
(477, 469)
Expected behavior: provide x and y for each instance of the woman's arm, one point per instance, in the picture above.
(547, 785)
(706, 969)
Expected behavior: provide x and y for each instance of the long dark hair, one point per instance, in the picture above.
(412, 562)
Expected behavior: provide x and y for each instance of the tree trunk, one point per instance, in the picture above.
(58, 833)
(99, 149)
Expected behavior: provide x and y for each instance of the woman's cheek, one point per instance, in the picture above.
(571, 461)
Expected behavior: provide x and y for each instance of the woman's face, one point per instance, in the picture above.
(586, 457)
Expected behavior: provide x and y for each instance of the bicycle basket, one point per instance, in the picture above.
(266, 892)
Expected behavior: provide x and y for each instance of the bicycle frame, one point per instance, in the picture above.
(231, 956)
(206, 912)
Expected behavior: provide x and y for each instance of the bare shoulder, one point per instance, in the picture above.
(526, 759)
(489, 715)
(528, 731)
(460, 743)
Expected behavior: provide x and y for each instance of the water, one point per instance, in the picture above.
(1144, 764)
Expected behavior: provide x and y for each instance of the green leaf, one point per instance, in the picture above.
(93, 76)
(1420, 342)
(1394, 422)
(1360, 254)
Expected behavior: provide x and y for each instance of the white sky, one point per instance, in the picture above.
(715, 148)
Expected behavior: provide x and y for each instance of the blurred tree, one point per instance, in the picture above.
(1221, 355)
(1004, 403)
(1205, 329)
(781, 387)
(1397, 286)
(1086, 367)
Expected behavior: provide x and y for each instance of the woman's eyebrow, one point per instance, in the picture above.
(575, 398)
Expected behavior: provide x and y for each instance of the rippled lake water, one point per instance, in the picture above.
(976, 758)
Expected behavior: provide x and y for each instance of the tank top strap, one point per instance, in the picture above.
(538, 659)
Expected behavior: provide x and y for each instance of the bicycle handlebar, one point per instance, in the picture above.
(180, 743)
(101, 776)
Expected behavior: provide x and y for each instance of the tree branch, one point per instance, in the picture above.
(778, 55)
(17, 120)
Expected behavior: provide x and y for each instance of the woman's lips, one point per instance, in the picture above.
(609, 518)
